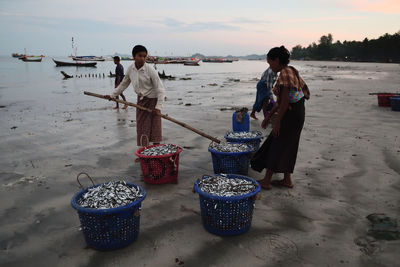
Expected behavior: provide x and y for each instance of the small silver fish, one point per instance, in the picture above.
(160, 150)
(109, 195)
(244, 135)
(230, 147)
(223, 186)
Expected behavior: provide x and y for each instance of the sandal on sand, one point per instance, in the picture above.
(281, 183)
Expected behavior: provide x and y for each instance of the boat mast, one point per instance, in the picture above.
(74, 48)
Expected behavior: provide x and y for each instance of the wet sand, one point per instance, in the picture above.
(348, 167)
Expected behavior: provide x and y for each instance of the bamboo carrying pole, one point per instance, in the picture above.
(162, 116)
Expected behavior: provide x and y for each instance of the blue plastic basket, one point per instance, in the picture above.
(227, 215)
(395, 103)
(234, 163)
(254, 142)
(109, 229)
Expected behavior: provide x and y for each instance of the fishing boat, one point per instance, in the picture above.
(74, 64)
(31, 59)
(16, 55)
(192, 62)
(88, 58)
(217, 60)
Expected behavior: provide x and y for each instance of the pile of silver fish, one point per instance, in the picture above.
(244, 135)
(223, 186)
(160, 150)
(109, 195)
(230, 147)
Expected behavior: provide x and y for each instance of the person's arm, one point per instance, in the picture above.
(306, 92)
(266, 120)
(159, 87)
(283, 106)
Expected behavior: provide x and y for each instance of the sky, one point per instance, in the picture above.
(182, 28)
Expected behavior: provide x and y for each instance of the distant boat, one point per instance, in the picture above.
(35, 59)
(217, 60)
(88, 58)
(17, 55)
(30, 56)
(193, 62)
(74, 64)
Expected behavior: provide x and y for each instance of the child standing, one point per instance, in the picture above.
(150, 94)
(119, 75)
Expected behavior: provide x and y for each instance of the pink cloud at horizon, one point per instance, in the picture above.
(382, 6)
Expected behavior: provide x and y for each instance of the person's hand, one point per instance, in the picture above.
(108, 97)
(265, 123)
(307, 95)
(276, 129)
(115, 86)
(157, 111)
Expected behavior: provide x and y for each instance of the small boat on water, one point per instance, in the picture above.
(31, 59)
(217, 60)
(192, 62)
(88, 58)
(16, 55)
(74, 64)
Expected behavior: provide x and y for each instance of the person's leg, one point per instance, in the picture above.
(123, 98)
(285, 182)
(117, 106)
(266, 182)
(253, 114)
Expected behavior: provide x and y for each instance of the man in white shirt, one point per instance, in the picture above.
(151, 93)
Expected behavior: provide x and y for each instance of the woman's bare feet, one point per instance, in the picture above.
(282, 183)
(116, 107)
(265, 184)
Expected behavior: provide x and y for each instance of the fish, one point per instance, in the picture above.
(221, 185)
(230, 147)
(109, 195)
(160, 150)
(244, 135)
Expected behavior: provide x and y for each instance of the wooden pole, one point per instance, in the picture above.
(162, 116)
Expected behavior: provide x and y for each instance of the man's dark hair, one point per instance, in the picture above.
(279, 52)
(117, 58)
(137, 49)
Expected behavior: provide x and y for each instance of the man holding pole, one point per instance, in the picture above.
(150, 90)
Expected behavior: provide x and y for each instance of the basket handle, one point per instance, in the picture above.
(77, 178)
(141, 140)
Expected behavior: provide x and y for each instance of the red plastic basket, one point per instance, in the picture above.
(384, 99)
(159, 169)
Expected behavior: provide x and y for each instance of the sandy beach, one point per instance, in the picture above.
(348, 167)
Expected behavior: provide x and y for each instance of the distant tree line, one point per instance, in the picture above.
(384, 49)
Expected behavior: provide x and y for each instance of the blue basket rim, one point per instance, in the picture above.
(232, 153)
(230, 176)
(395, 97)
(77, 195)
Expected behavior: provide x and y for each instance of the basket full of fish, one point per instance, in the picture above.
(231, 158)
(109, 213)
(159, 163)
(252, 138)
(227, 202)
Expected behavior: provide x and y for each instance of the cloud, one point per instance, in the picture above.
(375, 6)
(248, 21)
(180, 26)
